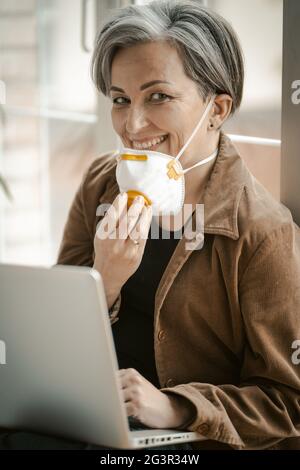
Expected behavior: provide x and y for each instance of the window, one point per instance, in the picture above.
(49, 122)
(256, 127)
(260, 112)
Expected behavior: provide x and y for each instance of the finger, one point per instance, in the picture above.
(130, 370)
(128, 394)
(134, 213)
(123, 376)
(123, 212)
(131, 410)
(109, 222)
(145, 222)
(129, 377)
(118, 207)
(128, 218)
(141, 230)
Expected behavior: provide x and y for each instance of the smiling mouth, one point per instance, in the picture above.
(151, 144)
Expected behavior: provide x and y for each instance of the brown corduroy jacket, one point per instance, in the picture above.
(226, 316)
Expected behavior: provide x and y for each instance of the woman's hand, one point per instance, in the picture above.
(117, 257)
(149, 405)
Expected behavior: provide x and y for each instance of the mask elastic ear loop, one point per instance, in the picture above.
(197, 127)
(206, 160)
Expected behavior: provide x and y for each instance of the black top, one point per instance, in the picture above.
(134, 331)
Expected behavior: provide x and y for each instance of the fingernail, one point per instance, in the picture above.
(139, 199)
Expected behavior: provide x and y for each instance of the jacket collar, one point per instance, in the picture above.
(223, 191)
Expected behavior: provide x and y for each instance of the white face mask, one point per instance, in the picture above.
(157, 176)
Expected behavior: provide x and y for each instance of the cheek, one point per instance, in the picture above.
(166, 120)
(118, 121)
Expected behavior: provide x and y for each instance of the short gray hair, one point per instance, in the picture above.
(207, 44)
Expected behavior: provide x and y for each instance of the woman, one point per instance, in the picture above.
(203, 336)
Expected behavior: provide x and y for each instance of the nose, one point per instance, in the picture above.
(136, 120)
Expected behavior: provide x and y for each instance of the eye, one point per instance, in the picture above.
(161, 96)
(116, 100)
(154, 97)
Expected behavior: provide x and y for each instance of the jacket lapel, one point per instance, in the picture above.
(221, 201)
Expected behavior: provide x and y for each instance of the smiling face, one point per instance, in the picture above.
(155, 104)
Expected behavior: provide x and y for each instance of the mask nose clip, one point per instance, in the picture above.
(132, 157)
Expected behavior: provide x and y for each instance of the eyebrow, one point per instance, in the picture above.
(143, 87)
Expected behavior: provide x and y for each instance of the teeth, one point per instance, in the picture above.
(149, 144)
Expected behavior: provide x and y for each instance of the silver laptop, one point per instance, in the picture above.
(58, 365)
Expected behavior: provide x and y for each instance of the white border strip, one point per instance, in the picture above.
(254, 140)
(51, 114)
(2, 92)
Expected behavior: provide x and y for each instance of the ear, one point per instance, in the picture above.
(220, 110)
